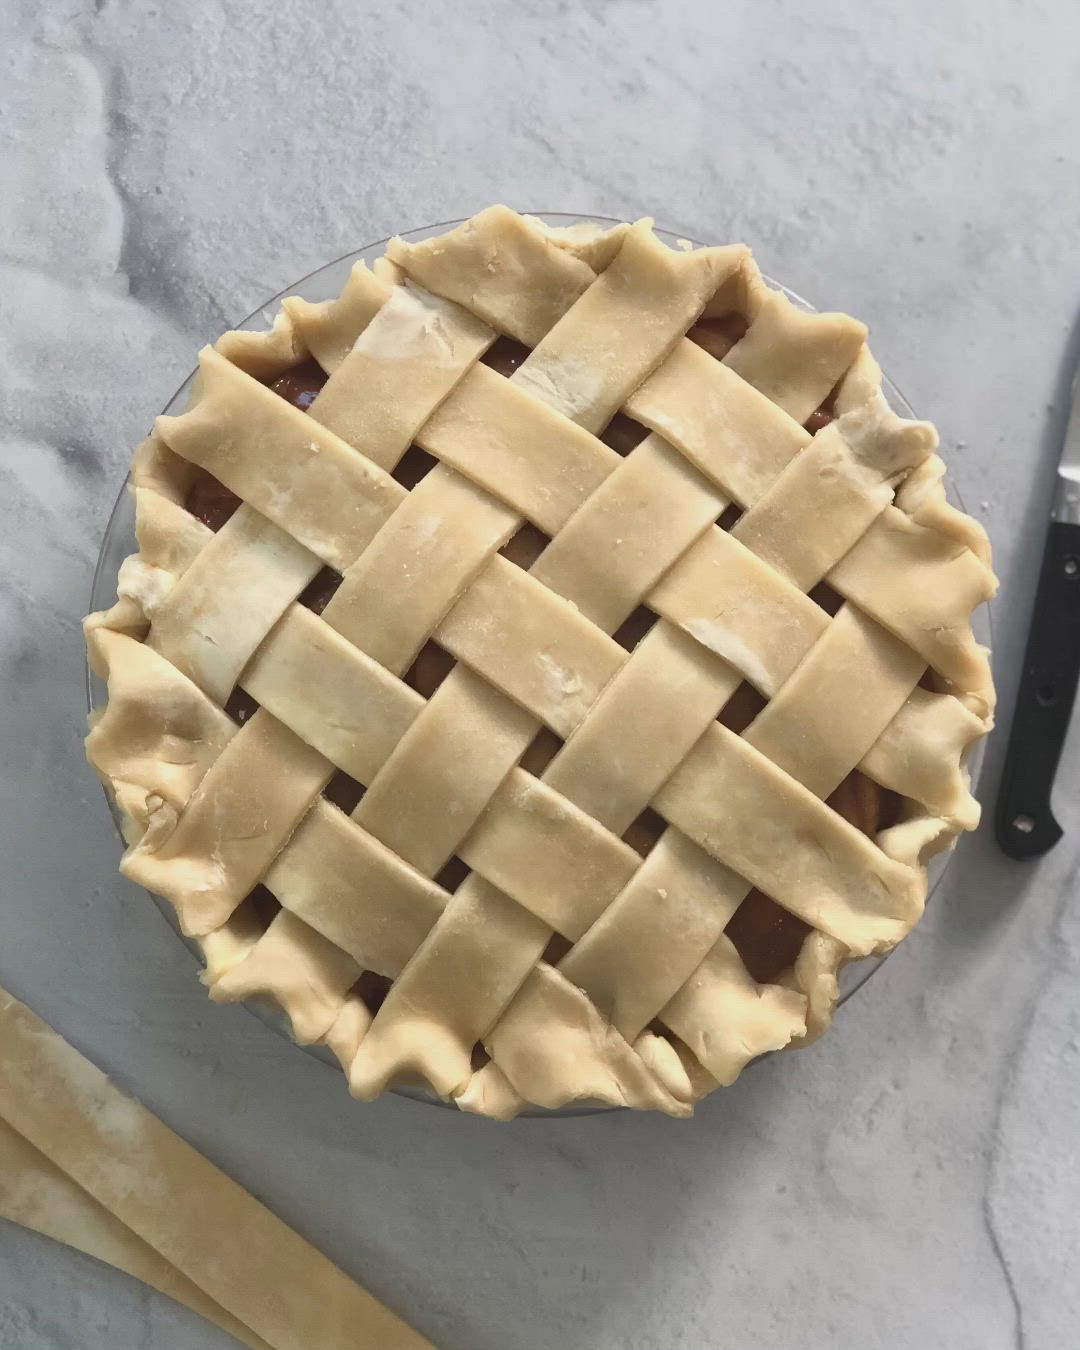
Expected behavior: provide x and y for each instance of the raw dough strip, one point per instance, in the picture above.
(225, 603)
(151, 707)
(237, 820)
(523, 452)
(330, 863)
(724, 427)
(579, 871)
(794, 358)
(730, 800)
(933, 547)
(304, 971)
(814, 736)
(194, 1218)
(417, 566)
(848, 472)
(499, 267)
(445, 770)
(38, 1195)
(330, 328)
(723, 597)
(325, 330)
(362, 710)
(623, 326)
(647, 514)
(283, 462)
(505, 613)
(411, 355)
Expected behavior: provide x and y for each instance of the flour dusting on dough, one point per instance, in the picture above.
(563, 682)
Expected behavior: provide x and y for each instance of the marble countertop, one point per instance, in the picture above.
(913, 1180)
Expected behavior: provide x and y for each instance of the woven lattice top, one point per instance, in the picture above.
(536, 888)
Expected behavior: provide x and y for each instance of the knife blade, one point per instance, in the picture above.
(1025, 823)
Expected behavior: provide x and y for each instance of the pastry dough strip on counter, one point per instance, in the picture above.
(85, 1164)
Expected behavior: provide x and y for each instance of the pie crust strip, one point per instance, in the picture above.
(38, 1195)
(129, 1189)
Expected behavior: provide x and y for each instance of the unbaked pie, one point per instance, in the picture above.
(544, 666)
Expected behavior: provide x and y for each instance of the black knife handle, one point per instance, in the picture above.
(1026, 826)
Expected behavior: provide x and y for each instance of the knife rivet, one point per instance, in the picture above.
(1023, 824)
(1071, 567)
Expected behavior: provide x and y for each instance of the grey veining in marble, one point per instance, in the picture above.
(911, 1182)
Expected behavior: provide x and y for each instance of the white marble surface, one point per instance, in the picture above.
(912, 1181)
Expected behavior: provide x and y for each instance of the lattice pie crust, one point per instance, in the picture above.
(486, 916)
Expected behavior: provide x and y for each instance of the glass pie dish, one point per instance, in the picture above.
(321, 285)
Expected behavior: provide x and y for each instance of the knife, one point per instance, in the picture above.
(1026, 826)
